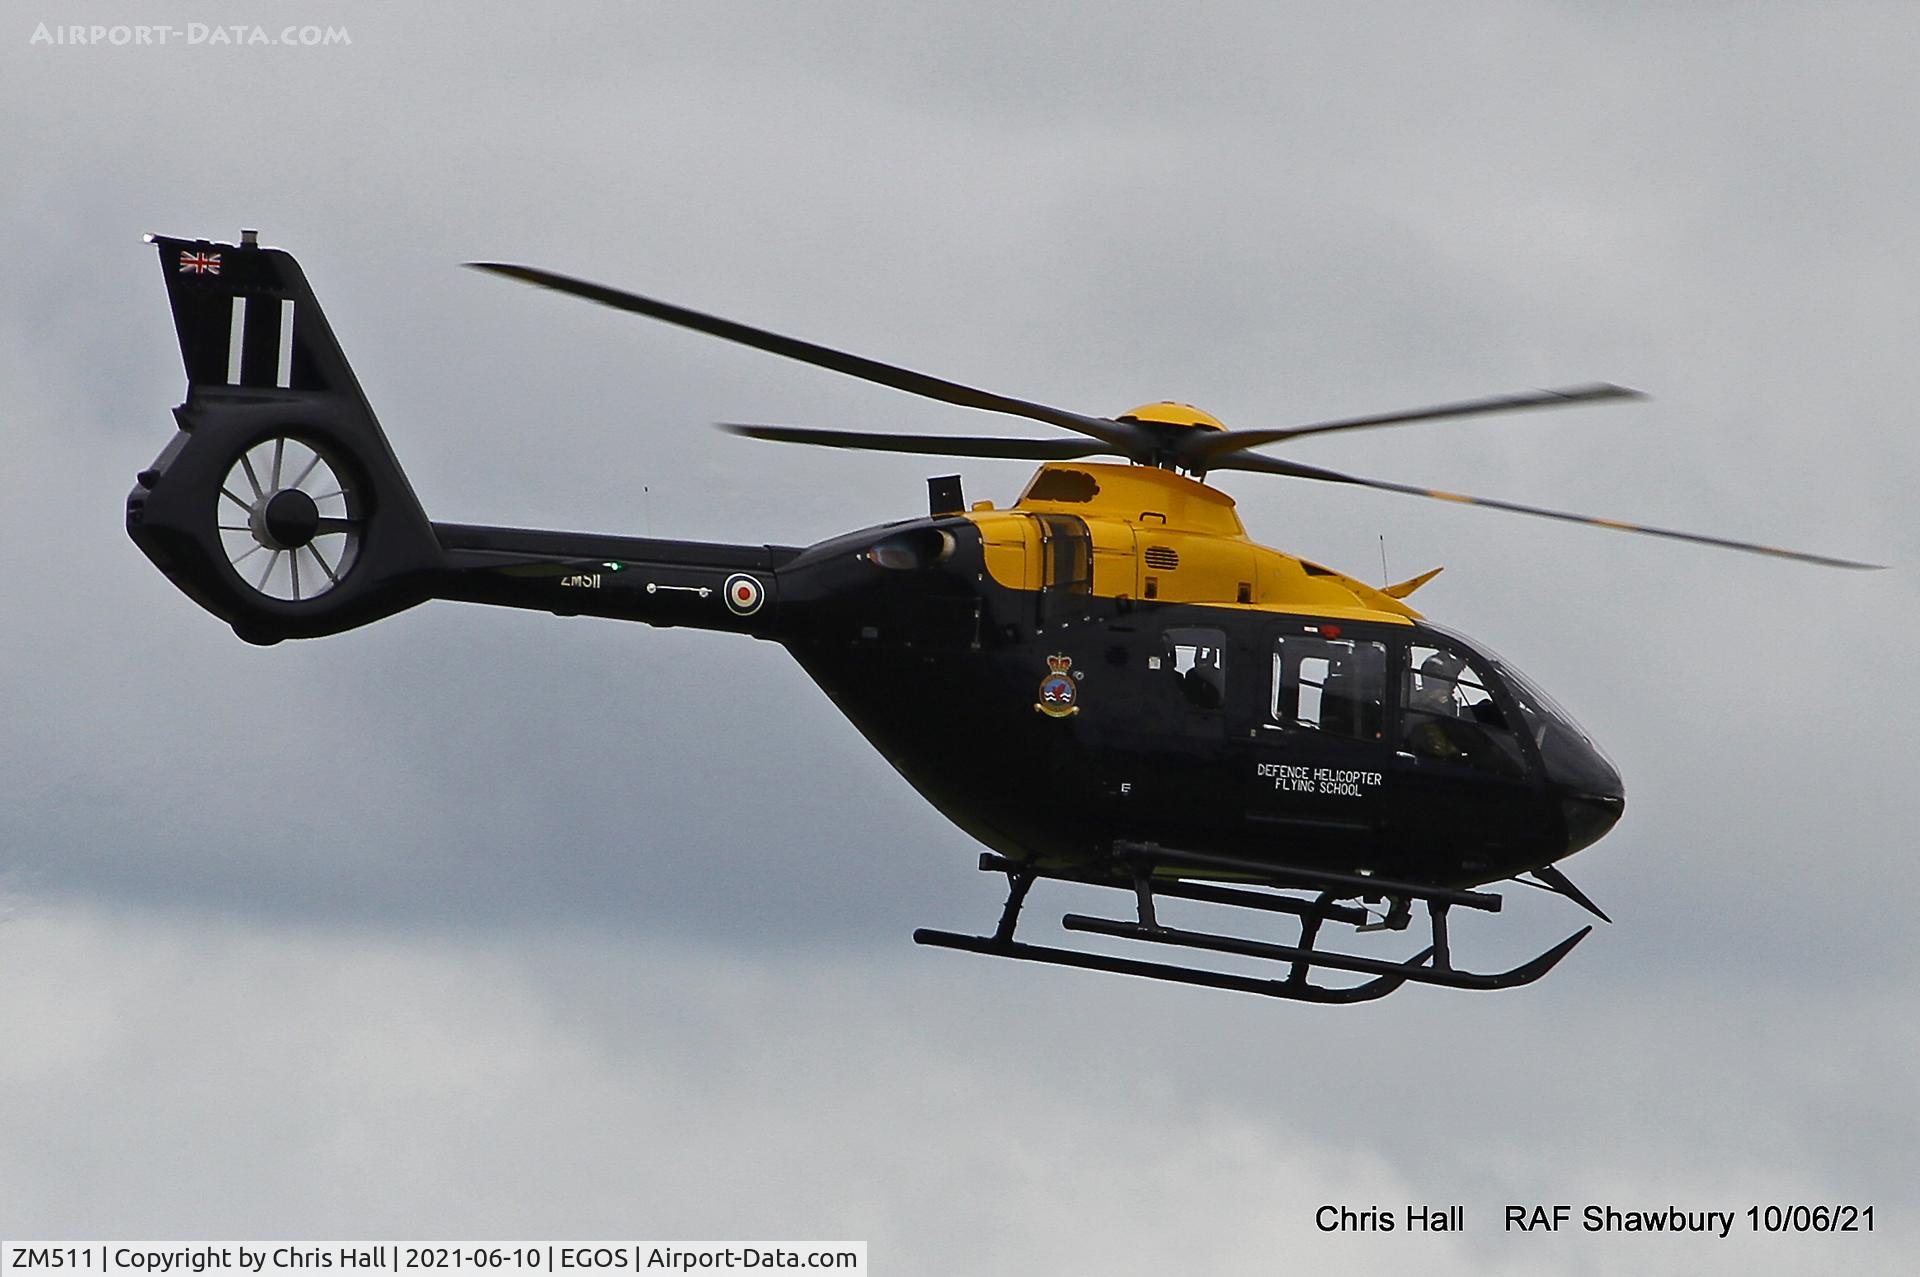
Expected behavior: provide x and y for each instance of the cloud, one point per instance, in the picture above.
(208, 1076)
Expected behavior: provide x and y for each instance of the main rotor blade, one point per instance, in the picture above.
(939, 445)
(1126, 438)
(1274, 465)
(1204, 447)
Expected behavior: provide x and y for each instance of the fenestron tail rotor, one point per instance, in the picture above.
(289, 521)
(1176, 440)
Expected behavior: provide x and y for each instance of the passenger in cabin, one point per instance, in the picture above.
(1204, 684)
(1351, 700)
(1170, 663)
(1486, 712)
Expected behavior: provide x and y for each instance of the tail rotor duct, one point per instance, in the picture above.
(290, 520)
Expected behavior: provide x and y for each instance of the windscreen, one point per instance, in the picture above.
(1571, 756)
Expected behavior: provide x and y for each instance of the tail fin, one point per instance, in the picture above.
(279, 506)
(246, 318)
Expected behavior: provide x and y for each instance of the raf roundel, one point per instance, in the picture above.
(743, 594)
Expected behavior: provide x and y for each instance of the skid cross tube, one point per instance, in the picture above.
(1294, 876)
(1147, 872)
(1379, 987)
(1181, 889)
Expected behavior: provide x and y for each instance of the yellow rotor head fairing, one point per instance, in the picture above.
(1172, 414)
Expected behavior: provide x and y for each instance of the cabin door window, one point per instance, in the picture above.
(1335, 687)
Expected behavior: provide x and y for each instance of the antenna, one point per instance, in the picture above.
(1385, 579)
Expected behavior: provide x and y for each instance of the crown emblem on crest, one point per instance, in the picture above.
(1057, 690)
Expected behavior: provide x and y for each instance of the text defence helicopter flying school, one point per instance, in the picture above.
(1196, 717)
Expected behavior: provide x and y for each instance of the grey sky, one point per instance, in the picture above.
(474, 923)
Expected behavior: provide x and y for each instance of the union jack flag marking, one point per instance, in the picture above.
(200, 263)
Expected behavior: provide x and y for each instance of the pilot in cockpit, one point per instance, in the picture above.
(1433, 709)
(1435, 690)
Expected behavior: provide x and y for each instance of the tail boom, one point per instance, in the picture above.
(280, 507)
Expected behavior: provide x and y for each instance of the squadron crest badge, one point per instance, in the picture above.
(1057, 690)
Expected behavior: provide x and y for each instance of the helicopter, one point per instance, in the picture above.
(1191, 716)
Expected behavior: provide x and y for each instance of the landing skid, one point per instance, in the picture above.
(1158, 872)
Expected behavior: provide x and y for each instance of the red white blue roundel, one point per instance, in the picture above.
(743, 593)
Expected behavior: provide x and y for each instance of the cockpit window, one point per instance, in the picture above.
(1336, 686)
(1572, 757)
(1447, 713)
(1197, 659)
(1536, 706)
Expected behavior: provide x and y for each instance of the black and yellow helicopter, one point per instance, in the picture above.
(1193, 716)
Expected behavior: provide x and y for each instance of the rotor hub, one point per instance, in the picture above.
(288, 520)
(1172, 414)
